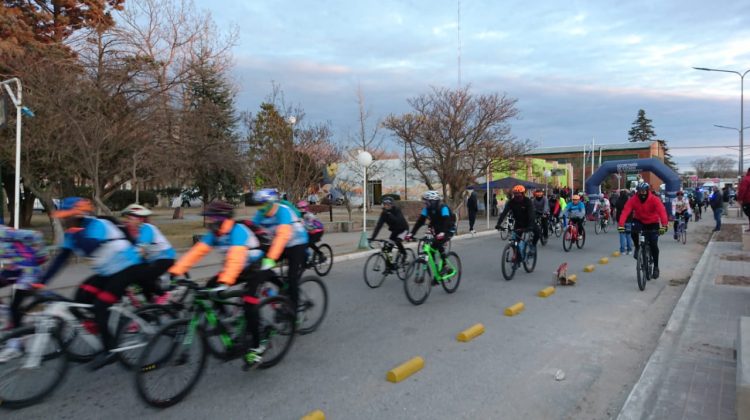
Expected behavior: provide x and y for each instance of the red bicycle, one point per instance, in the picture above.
(572, 235)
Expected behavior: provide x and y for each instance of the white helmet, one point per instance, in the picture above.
(431, 195)
(136, 210)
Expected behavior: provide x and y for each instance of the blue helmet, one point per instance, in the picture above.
(643, 186)
(266, 195)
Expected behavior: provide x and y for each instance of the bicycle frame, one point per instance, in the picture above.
(435, 269)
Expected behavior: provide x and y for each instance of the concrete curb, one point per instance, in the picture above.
(640, 402)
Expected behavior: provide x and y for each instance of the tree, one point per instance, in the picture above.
(642, 130)
(454, 135)
(715, 167)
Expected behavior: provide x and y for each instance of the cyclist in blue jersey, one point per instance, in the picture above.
(575, 211)
(441, 221)
(115, 261)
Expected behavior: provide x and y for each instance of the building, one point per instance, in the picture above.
(574, 155)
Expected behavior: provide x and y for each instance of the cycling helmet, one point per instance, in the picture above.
(431, 195)
(303, 205)
(643, 186)
(73, 207)
(136, 210)
(575, 197)
(519, 189)
(387, 200)
(219, 209)
(266, 195)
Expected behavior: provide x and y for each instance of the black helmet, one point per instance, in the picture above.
(219, 209)
(387, 200)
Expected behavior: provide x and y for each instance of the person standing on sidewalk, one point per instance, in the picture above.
(725, 200)
(743, 196)
(472, 207)
(715, 201)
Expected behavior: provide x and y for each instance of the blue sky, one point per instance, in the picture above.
(579, 69)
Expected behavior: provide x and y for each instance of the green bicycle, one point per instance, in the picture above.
(174, 359)
(446, 272)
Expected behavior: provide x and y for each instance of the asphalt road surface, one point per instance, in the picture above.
(599, 333)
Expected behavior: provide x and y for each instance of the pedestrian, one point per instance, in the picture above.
(626, 240)
(715, 201)
(472, 207)
(493, 203)
(743, 196)
(725, 200)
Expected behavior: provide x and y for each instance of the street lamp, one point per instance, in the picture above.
(742, 110)
(547, 174)
(17, 99)
(364, 159)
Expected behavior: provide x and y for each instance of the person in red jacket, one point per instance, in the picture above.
(743, 195)
(649, 216)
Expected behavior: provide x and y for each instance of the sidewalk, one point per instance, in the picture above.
(692, 372)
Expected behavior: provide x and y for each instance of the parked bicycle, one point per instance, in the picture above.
(379, 265)
(572, 235)
(429, 269)
(519, 251)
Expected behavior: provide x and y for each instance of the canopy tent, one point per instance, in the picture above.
(506, 184)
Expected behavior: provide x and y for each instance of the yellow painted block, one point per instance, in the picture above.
(314, 415)
(616, 254)
(546, 292)
(404, 370)
(572, 278)
(514, 309)
(470, 333)
(603, 260)
(589, 268)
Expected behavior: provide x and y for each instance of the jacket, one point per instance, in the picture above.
(650, 211)
(523, 213)
(743, 195)
(395, 220)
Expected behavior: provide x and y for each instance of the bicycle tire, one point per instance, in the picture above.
(375, 270)
(173, 336)
(647, 257)
(508, 265)
(683, 236)
(529, 266)
(323, 267)
(156, 316)
(581, 240)
(404, 265)
(558, 230)
(640, 272)
(39, 390)
(309, 287)
(504, 232)
(451, 284)
(567, 239)
(277, 329)
(421, 279)
(605, 226)
(597, 226)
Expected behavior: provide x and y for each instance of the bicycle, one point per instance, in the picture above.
(447, 272)
(508, 224)
(312, 296)
(601, 223)
(178, 350)
(518, 251)
(644, 263)
(572, 235)
(321, 260)
(543, 235)
(379, 265)
(681, 231)
(556, 227)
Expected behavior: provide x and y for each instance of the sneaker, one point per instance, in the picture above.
(628, 252)
(635, 254)
(102, 359)
(675, 236)
(10, 352)
(655, 273)
(254, 357)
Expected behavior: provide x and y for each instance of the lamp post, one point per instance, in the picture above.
(364, 159)
(547, 174)
(742, 111)
(17, 99)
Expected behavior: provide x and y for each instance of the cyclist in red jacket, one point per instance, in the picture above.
(649, 216)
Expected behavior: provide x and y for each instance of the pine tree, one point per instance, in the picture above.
(642, 130)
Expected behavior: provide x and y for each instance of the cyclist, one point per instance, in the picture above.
(397, 225)
(695, 206)
(603, 207)
(114, 259)
(649, 216)
(681, 209)
(241, 250)
(541, 210)
(575, 212)
(315, 228)
(289, 237)
(522, 210)
(441, 221)
(152, 244)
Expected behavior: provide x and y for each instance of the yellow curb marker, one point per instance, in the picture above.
(603, 260)
(514, 309)
(470, 333)
(546, 292)
(572, 278)
(314, 415)
(589, 268)
(616, 254)
(404, 370)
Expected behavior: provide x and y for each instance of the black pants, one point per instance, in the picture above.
(396, 238)
(472, 219)
(295, 257)
(543, 224)
(105, 291)
(746, 210)
(651, 235)
(252, 278)
(150, 281)
(313, 239)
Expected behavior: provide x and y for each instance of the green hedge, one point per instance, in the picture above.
(122, 198)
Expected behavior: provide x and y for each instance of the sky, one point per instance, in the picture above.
(579, 69)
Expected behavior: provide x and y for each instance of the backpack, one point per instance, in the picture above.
(715, 201)
(121, 226)
(263, 236)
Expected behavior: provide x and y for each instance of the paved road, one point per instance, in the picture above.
(600, 333)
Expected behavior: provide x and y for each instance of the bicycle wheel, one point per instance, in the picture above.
(418, 285)
(453, 262)
(647, 259)
(558, 230)
(171, 363)
(22, 385)
(567, 240)
(640, 271)
(403, 263)
(508, 262)
(542, 237)
(597, 226)
(133, 333)
(581, 239)
(683, 235)
(375, 270)
(277, 328)
(323, 261)
(605, 225)
(80, 337)
(529, 263)
(312, 305)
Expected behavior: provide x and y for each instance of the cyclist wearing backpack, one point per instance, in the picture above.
(441, 220)
(315, 228)
(397, 225)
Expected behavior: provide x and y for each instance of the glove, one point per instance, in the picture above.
(267, 264)
(440, 236)
(621, 229)
(662, 230)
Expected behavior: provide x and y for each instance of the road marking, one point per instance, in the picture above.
(546, 292)
(514, 309)
(470, 333)
(589, 268)
(314, 415)
(404, 370)
(603, 260)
